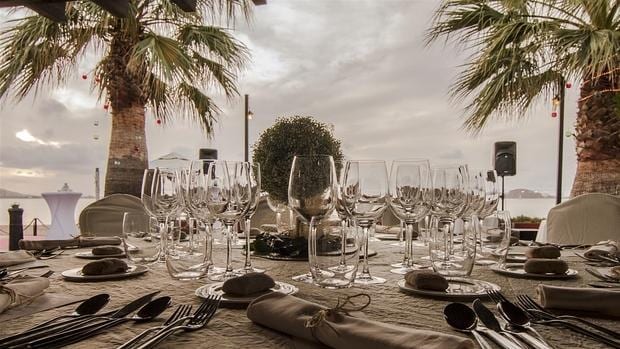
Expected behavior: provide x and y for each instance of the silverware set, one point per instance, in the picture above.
(85, 322)
(527, 311)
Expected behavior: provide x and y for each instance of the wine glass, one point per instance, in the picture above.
(450, 200)
(486, 179)
(458, 262)
(255, 189)
(188, 257)
(228, 198)
(167, 200)
(279, 207)
(312, 194)
(500, 226)
(365, 194)
(410, 198)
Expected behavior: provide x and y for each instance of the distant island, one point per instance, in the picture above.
(7, 194)
(526, 194)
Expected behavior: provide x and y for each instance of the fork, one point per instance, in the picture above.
(180, 314)
(533, 306)
(538, 317)
(201, 318)
(498, 297)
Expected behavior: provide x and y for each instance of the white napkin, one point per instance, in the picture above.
(608, 248)
(10, 258)
(21, 290)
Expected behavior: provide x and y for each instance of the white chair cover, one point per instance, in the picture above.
(105, 217)
(586, 219)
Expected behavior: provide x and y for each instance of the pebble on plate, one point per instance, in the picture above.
(545, 266)
(248, 284)
(426, 280)
(105, 266)
(547, 252)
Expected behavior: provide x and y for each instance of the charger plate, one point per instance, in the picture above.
(90, 255)
(458, 289)
(76, 274)
(216, 289)
(516, 270)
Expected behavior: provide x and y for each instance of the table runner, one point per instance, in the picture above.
(232, 329)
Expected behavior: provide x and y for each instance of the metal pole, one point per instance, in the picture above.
(558, 193)
(97, 190)
(502, 193)
(246, 147)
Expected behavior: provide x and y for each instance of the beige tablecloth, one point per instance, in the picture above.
(232, 329)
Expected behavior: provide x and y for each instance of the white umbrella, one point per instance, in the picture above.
(171, 160)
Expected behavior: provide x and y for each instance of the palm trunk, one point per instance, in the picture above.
(127, 157)
(598, 139)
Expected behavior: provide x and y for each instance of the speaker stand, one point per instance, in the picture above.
(502, 193)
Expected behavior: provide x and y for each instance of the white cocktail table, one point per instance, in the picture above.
(62, 208)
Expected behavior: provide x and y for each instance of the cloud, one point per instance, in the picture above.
(25, 136)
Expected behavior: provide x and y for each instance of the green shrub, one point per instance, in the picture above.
(290, 136)
(525, 219)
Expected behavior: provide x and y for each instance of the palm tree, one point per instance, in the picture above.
(159, 57)
(524, 50)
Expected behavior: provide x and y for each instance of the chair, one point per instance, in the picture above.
(105, 217)
(586, 219)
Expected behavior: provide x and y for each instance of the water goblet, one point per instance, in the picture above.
(312, 194)
(228, 198)
(365, 193)
(458, 262)
(410, 198)
(255, 182)
(187, 258)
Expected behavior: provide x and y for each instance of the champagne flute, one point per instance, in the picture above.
(365, 193)
(255, 190)
(228, 198)
(410, 198)
(312, 195)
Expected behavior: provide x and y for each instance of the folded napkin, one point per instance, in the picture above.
(15, 257)
(607, 248)
(426, 280)
(105, 266)
(597, 300)
(248, 284)
(549, 252)
(21, 290)
(545, 266)
(289, 314)
(615, 272)
(76, 242)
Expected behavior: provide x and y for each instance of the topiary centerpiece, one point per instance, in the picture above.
(274, 151)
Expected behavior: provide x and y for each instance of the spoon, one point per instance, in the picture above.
(463, 319)
(148, 312)
(517, 317)
(90, 306)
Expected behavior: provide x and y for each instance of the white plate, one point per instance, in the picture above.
(90, 255)
(386, 236)
(76, 274)
(513, 257)
(216, 289)
(458, 288)
(516, 270)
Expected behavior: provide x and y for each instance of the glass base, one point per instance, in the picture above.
(188, 275)
(368, 280)
(307, 278)
(216, 270)
(223, 276)
(398, 244)
(334, 284)
(485, 262)
(405, 269)
(248, 270)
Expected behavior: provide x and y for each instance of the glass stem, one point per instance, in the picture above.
(365, 268)
(312, 247)
(229, 230)
(401, 238)
(408, 244)
(209, 242)
(163, 237)
(279, 222)
(343, 242)
(246, 230)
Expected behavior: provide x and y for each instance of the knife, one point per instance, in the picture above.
(493, 328)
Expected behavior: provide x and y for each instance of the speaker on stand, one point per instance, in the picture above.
(505, 161)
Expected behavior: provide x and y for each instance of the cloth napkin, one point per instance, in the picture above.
(289, 314)
(594, 300)
(15, 257)
(21, 290)
(607, 248)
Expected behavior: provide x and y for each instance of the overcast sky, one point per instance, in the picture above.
(359, 65)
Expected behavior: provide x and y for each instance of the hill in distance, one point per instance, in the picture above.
(526, 194)
(7, 194)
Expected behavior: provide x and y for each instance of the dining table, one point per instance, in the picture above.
(231, 328)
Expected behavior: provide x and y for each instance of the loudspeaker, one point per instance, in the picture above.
(505, 159)
(207, 154)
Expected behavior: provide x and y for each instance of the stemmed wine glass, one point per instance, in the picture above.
(161, 198)
(312, 195)
(255, 190)
(491, 199)
(365, 193)
(410, 198)
(228, 198)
